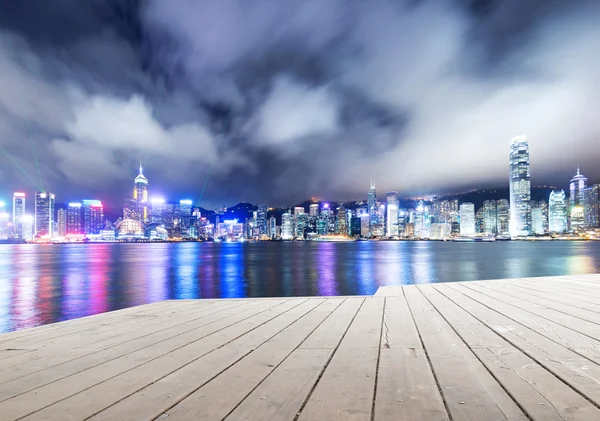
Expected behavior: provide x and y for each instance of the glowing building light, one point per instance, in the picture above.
(19, 194)
(74, 205)
(326, 205)
(157, 200)
(185, 202)
(2, 204)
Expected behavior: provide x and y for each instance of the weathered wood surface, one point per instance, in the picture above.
(514, 349)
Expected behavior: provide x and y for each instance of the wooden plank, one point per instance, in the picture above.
(557, 327)
(81, 322)
(406, 388)
(586, 294)
(60, 350)
(238, 380)
(49, 386)
(173, 374)
(281, 395)
(469, 390)
(587, 300)
(382, 292)
(541, 395)
(582, 374)
(346, 389)
(32, 363)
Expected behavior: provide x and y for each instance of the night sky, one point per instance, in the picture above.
(278, 101)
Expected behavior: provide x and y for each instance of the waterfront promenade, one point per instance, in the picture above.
(515, 349)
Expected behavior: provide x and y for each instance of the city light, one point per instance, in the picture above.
(74, 205)
(19, 194)
(2, 204)
(185, 202)
(157, 200)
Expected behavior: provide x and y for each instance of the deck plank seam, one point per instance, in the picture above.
(280, 363)
(312, 389)
(378, 359)
(133, 368)
(109, 360)
(204, 313)
(537, 315)
(559, 302)
(435, 377)
(209, 352)
(537, 361)
(508, 393)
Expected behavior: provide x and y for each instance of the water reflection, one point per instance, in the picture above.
(44, 284)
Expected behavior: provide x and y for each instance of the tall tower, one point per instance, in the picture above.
(140, 196)
(392, 205)
(18, 214)
(372, 208)
(44, 214)
(520, 187)
(577, 189)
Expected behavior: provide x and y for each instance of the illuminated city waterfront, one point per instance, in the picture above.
(41, 284)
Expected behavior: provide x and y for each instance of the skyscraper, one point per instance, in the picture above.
(272, 228)
(577, 187)
(287, 226)
(520, 187)
(74, 218)
(44, 214)
(557, 211)
(539, 217)
(138, 206)
(490, 217)
(502, 217)
(93, 217)
(592, 206)
(18, 213)
(467, 219)
(314, 209)
(392, 205)
(61, 222)
(372, 208)
(342, 220)
(261, 219)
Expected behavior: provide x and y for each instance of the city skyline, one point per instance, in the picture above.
(326, 99)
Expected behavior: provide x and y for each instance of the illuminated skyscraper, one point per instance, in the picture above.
(314, 209)
(539, 217)
(18, 213)
(592, 206)
(342, 220)
(44, 214)
(93, 217)
(392, 207)
(520, 187)
(577, 187)
(557, 211)
(287, 226)
(372, 208)
(140, 198)
(261, 219)
(272, 228)
(502, 217)
(467, 219)
(490, 217)
(61, 222)
(74, 218)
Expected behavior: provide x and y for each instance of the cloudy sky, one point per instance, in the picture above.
(278, 101)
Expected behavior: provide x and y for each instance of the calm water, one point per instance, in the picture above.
(41, 284)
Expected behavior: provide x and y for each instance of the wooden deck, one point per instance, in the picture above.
(516, 349)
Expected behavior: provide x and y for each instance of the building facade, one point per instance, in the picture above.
(467, 219)
(392, 209)
(18, 214)
(557, 212)
(520, 187)
(44, 214)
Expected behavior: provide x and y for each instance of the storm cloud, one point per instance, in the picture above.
(276, 102)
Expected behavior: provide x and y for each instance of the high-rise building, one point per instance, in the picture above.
(138, 206)
(314, 209)
(44, 214)
(479, 220)
(261, 219)
(490, 217)
(520, 187)
(392, 208)
(287, 226)
(539, 217)
(74, 218)
(326, 222)
(272, 228)
(372, 208)
(418, 218)
(557, 212)
(577, 187)
(502, 217)
(93, 217)
(18, 213)
(467, 219)
(365, 225)
(157, 207)
(61, 221)
(592, 206)
(4, 222)
(342, 220)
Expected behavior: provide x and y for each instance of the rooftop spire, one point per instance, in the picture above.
(578, 170)
(140, 167)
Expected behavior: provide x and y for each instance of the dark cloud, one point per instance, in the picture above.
(280, 101)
